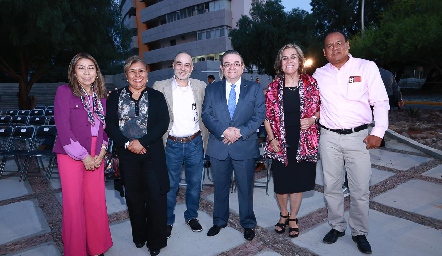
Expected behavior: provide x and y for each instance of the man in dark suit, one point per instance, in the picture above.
(233, 110)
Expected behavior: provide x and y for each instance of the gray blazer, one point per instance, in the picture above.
(198, 88)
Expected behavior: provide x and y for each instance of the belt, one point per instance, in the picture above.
(347, 131)
(184, 139)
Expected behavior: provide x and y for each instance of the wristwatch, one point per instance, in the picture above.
(126, 144)
(316, 119)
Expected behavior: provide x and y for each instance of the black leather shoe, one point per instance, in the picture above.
(332, 236)
(140, 245)
(154, 252)
(249, 234)
(169, 231)
(363, 244)
(213, 231)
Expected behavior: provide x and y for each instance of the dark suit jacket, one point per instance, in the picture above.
(72, 122)
(249, 115)
(157, 123)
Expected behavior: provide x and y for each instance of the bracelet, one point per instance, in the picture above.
(104, 147)
(271, 139)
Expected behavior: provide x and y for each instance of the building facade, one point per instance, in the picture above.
(163, 28)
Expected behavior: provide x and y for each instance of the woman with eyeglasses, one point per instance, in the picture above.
(292, 111)
(136, 120)
(79, 112)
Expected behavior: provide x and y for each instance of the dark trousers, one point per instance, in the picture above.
(146, 205)
(244, 176)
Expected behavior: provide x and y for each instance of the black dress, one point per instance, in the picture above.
(295, 177)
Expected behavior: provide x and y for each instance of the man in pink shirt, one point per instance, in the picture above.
(348, 87)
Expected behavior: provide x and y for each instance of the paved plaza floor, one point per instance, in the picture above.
(405, 214)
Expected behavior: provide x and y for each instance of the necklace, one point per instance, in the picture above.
(292, 88)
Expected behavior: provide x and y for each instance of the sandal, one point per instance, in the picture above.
(282, 225)
(293, 229)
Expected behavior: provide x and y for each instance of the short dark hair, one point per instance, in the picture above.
(231, 52)
(211, 77)
(335, 31)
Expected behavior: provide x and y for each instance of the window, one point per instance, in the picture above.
(212, 33)
(201, 35)
(208, 34)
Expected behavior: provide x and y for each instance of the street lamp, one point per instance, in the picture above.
(308, 63)
(362, 17)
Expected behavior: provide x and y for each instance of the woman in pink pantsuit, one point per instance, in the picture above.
(79, 111)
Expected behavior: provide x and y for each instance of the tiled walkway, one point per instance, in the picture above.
(405, 215)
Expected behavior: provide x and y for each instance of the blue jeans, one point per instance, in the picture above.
(192, 155)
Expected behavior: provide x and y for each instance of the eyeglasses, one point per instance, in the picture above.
(235, 65)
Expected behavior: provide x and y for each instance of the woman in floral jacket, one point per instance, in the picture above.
(292, 111)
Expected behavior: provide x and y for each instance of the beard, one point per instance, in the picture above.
(182, 77)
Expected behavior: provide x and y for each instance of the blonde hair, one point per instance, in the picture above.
(99, 85)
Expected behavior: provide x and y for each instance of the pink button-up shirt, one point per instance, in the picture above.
(347, 94)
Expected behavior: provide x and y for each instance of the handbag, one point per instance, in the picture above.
(111, 161)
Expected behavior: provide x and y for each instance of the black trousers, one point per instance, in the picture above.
(146, 205)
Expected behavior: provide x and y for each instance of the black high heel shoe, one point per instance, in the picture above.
(282, 225)
(293, 229)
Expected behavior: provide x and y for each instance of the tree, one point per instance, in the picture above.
(345, 15)
(38, 35)
(409, 33)
(259, 37)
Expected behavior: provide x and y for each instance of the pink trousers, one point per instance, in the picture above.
(85, 225)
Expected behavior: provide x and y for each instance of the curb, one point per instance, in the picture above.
(432, 103)
(414, 144)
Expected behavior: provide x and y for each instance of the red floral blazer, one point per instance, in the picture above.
(309, 105)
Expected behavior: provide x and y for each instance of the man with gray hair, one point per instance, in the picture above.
(185, 138)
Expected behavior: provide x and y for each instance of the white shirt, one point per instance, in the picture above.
(237, 90)
(185, 114)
